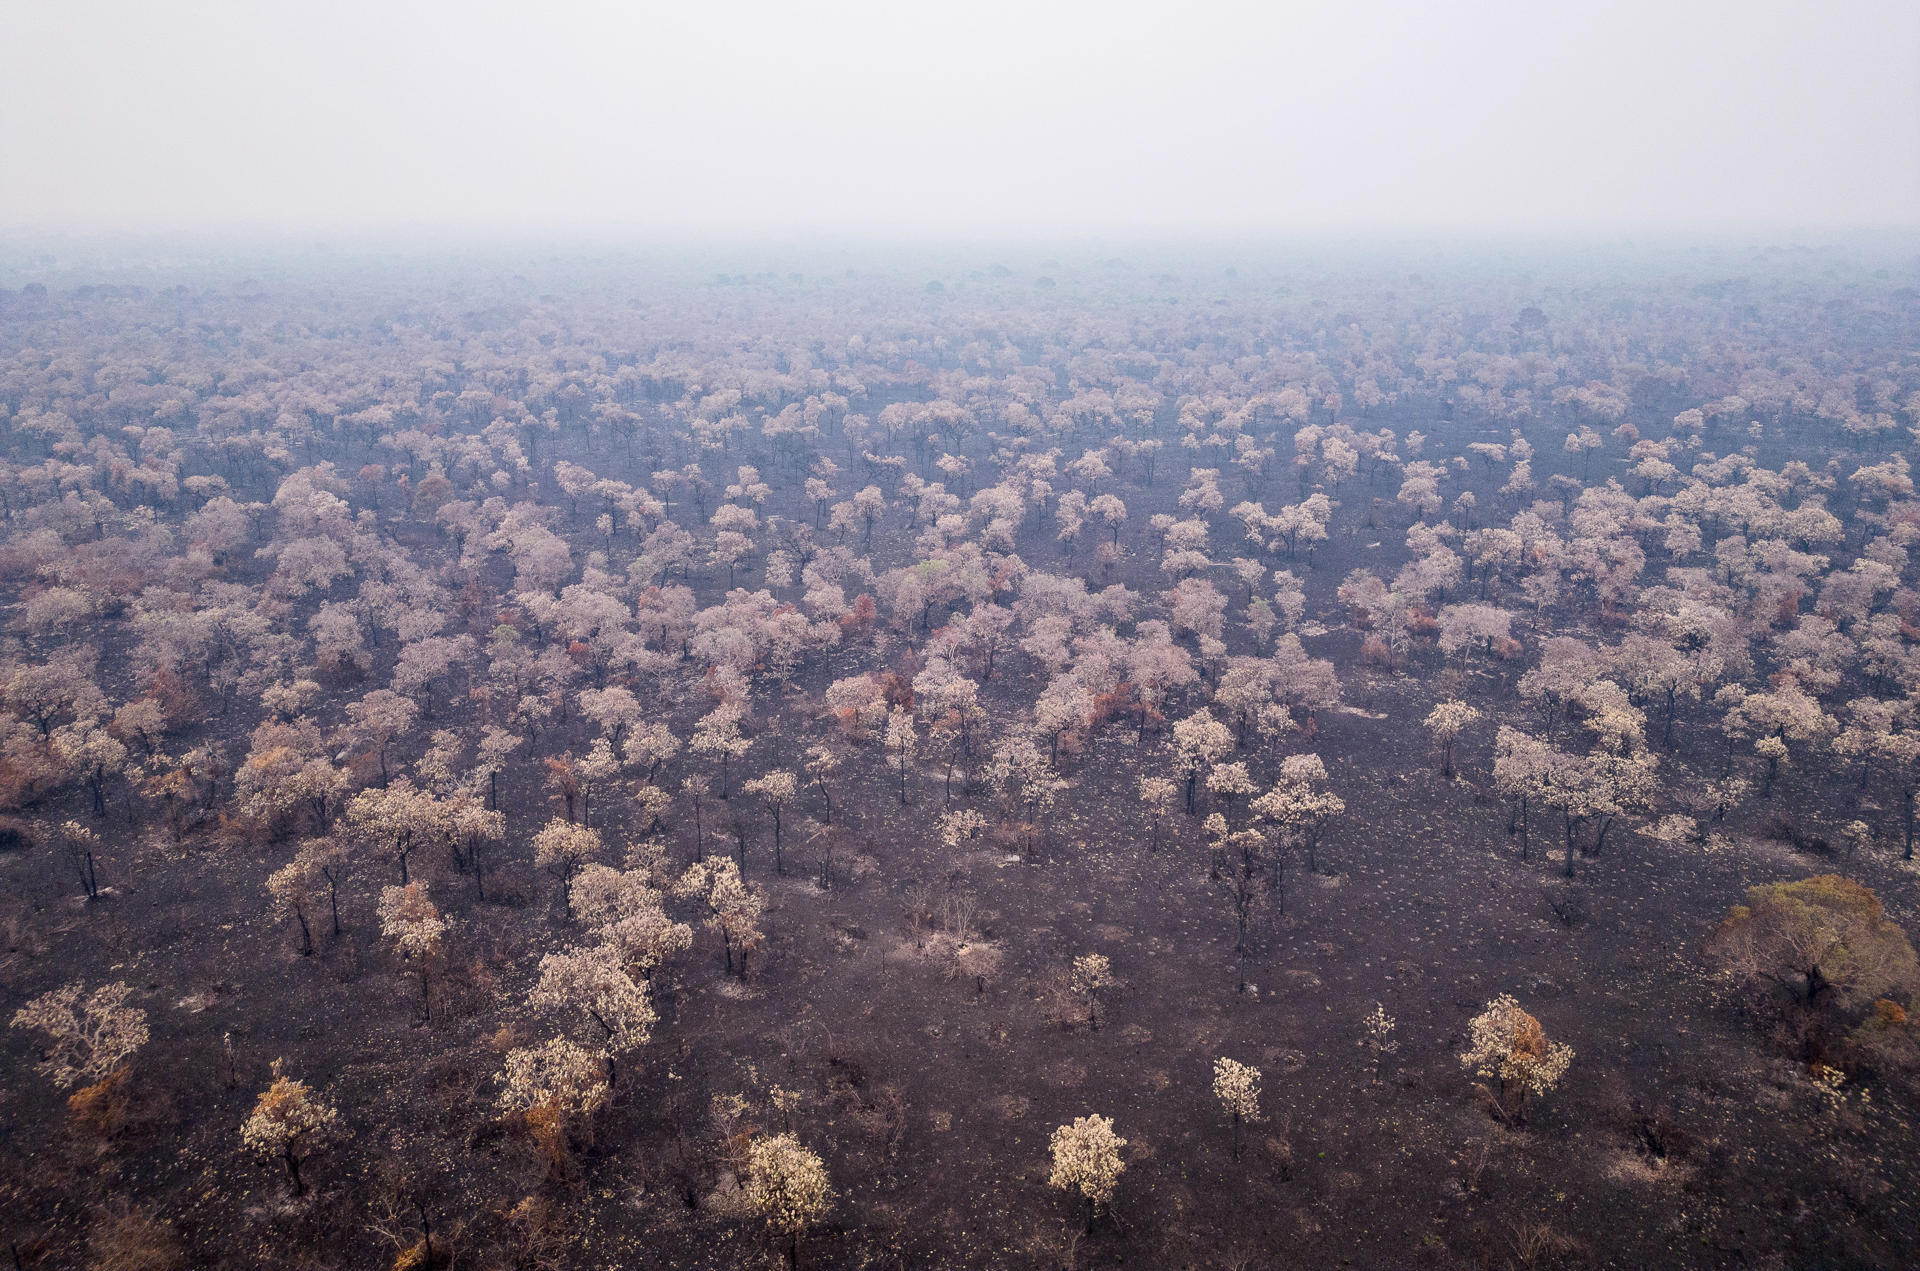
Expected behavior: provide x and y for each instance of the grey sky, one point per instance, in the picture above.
(943, 117)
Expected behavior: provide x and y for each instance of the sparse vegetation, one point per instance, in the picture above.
(675, 755)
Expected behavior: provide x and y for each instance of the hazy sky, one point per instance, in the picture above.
(943, 117)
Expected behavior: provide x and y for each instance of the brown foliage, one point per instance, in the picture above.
(857, 622)
(897, 689)
(101, 1108)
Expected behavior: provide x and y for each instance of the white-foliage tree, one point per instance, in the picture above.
(1087, 1162)
(89, 1036)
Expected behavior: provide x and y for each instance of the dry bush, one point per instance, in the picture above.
(469, 987)
(883, 1118)
(1276, 1150)
(510, 885)
(1059, 1004)
(101, 1108)
(1537, 1245)
(1054, 1247)
(1474, 1161)
(1782, 828)
(1887, 1042)
(536, 1236)
(979, 961)
(131, 1238)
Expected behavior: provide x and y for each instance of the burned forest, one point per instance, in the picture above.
(1174, 759)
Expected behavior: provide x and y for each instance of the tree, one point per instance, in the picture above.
(1237, 1086)
(78, 845)
(88, 1039)
(1376, 1033)
(787, 1186)
(90, 754)
(1824, 941)
(960, 825)
(327, 857)
(1017, 764)
(649, 746)
(593, 771)
(1299, 807)
(900, 742)
(1785, 715)
(1158, 793)
(1228, 782)
(396, 821)
(1506, 1044)
(593, 983)
(778, 788)
(561, 848)
(1522, 770)
(1444, 724)
(822, 762)
(1092, 975)
(44, 692)
(1086, 1159)
(496, 744)
(1613, 775)
(473, 830)
(379, 718)
(1199, 741)
(290, 1123)
(410, 921)
(733, 906)
(286, 770)
(614, 710)
(553, 1086)
(292, 889)
(1245, 866)
(626, 910)
(718, 733)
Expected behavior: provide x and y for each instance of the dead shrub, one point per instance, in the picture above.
(130, 1238)
(101, 1108)
(1277, 1151)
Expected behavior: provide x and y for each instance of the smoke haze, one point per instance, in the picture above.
(737, 117)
